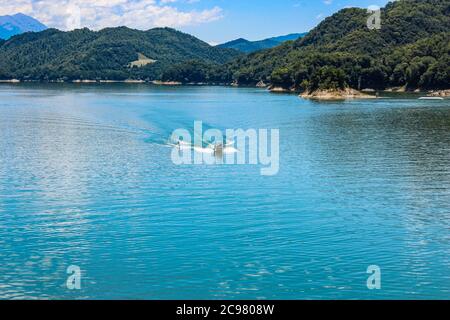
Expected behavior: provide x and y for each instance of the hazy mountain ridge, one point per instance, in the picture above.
(12, 25)
(247, 46)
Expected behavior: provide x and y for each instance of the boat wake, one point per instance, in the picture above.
(209, 149)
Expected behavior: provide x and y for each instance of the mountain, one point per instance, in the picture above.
(289, 37)
(17, 24)
(247, 46)
(410, 50)
(109, 54)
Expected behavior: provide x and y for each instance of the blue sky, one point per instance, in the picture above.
(259, 19)
(214, 21)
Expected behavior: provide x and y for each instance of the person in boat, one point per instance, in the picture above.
(218, 149)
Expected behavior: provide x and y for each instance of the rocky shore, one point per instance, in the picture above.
(280, 90)
(440, 93)
(342, 94)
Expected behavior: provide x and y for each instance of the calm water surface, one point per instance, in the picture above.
(86, 179)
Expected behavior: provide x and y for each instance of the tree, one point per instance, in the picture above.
(328, 77)
(282, 77)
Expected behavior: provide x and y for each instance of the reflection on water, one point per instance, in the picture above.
(87, 180)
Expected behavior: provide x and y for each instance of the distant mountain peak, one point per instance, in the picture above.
(20, 15)
(248, 46)
(11, 25)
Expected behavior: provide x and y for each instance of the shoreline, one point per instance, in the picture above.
(128, 81)
(317, 95)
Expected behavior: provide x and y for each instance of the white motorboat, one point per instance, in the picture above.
(431, 98)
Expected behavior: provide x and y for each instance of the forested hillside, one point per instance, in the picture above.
(411, 49)
(107, 54)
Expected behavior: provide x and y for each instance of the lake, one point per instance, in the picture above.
(87, 180)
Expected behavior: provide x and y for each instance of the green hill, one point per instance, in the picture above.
(411, 49)
(109, 54)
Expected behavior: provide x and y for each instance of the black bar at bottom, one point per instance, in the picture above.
(222, 309)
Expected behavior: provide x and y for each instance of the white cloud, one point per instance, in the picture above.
(139, 14)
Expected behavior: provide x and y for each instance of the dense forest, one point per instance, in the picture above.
(104, 55)
(411, 50)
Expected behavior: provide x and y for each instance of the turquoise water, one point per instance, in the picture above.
(87, 180)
